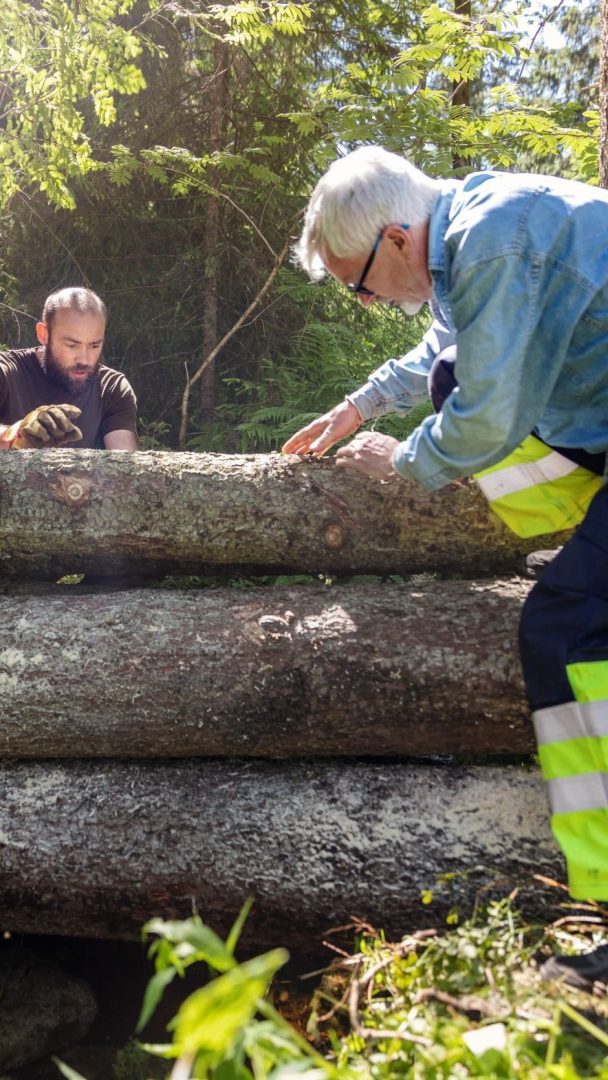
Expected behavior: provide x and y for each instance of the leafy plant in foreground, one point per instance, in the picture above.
(449, 1004)
(227, 1029)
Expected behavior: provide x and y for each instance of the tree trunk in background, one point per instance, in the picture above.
(71, 511)
(217, 125)
(95, 849)
(603, 97)
(461, 94)
(309, 671)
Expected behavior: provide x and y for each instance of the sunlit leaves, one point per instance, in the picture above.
(252, 20)
(61, 65)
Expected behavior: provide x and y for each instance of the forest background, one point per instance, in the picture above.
(162, 153)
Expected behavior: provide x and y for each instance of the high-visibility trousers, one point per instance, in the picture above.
(564, 653)
(563, 634)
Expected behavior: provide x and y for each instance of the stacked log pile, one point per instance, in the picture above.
(322, 746)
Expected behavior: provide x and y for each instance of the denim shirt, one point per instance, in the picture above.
(519, 268)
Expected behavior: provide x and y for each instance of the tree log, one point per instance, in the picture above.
(390, 669)
(95, 849)
(73, 511)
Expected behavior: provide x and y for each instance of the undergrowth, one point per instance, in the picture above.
(458, 1001)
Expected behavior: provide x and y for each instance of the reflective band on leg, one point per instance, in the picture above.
(573, 751)
(569, 794)
(572, 720)
(589, 680)
(583, 837)
(573, 757)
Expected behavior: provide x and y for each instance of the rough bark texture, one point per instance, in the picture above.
(268, 672)
(461, 94)
(95, 849)
(69, 511)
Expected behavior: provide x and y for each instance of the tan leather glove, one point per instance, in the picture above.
(46, 426)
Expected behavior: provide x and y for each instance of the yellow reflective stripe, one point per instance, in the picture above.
(571, 720)
(569, 794)
(531, 449)
(589, 680)
(574, 757)
(583, 838)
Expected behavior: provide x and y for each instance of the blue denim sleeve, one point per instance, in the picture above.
(508, 362)
(401, 382)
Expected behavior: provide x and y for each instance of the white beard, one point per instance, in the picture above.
(410, 307)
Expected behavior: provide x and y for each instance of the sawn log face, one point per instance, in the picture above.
(95, 849)
(311, 670)
(70, 511)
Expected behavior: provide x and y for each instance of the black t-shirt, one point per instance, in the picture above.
(107, 404)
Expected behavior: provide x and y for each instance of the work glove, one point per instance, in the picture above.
(46, 426)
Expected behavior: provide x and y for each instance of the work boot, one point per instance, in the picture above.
(537, 561)
(587, 972)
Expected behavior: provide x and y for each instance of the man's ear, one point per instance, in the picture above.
(42, 333)
(398, 236)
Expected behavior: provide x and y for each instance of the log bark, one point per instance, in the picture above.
(71, 511)
(382, 670)
(96, 849)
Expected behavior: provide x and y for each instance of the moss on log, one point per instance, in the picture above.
(102, 512)
(391, 669)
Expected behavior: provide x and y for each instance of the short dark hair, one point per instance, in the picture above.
(84, 301)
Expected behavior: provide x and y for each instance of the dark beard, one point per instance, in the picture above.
(59, 377)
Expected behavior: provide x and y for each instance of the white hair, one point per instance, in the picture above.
(358, 196)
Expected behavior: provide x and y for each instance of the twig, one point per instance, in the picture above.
(24, 198)
(336, 1005)
(404, 947)
(376, 1033)
(538, 30)
(220, 345)
(431, 993)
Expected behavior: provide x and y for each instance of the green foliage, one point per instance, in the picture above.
(417, 1002)
(252, 22)
(327, 357)
(462, 1002)
(62, 67)
(115, 147)
(216, 1033)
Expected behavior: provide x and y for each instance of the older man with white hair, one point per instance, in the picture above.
(515, 269)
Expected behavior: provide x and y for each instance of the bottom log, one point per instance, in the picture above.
(95, 849)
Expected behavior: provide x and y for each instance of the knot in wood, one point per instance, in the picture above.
(333, 536)
(72, 491)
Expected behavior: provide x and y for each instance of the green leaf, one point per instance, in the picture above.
(200, 938)
(237, 926)
(210, 1018)
(153, 994)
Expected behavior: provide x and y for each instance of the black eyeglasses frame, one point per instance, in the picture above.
(359, 287)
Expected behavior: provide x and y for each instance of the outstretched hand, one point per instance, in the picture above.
(324, 432)
(48, 425)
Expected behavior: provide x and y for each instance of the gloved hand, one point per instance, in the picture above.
(46, 426)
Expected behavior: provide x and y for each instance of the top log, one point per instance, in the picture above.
(155, 512)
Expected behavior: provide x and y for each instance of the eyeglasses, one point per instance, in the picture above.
(359, 287)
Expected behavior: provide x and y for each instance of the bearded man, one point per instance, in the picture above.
(61, 392)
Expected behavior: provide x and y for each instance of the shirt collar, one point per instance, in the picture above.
(438, 225)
